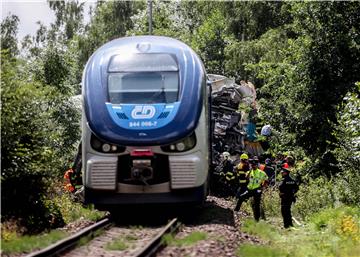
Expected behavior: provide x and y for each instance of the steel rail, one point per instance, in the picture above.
(152, 247)
(69, 242)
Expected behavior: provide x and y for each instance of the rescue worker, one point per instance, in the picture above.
(270, 171)
(257, 180)
(73, 179)
(69, 180)
(288, 188)
(241, 171)
(228, 171)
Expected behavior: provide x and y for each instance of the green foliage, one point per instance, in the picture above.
(248, 20)
(347, 151)
(111, 20)
(71, 211)
(271, 201)
(260, 229)
(9, 29)
(116, 245)
(190, 239)
(69, 17)
(249, 250)
(303, 69)
(314, 196)
(210, 40)
(331, 232)
(27, 160)
(20, 245)
(304, 58)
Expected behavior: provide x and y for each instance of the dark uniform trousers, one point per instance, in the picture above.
(288, 187)
(256, 194)
(286, 202)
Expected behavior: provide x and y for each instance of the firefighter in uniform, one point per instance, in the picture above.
(72, 177)
(288, 188)
(257, 180)
(241, 171)
(228, 172)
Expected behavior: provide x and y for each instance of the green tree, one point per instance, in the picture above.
(303, 70)
(347, 149)
(110, 20)
(27, 159)
(69, 18)
(210, 40)
(249, 20)
(9, 29)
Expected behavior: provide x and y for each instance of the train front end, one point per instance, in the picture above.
(145, 124)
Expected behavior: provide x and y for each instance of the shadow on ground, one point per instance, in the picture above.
(155, 215)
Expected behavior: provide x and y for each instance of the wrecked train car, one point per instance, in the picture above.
(234, 118)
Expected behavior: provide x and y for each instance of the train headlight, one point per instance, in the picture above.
(106, 148)
(181, 146)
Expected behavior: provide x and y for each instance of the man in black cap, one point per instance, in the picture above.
(288, 188)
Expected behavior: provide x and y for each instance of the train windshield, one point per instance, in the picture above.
(143, 79)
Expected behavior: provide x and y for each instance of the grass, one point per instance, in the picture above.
(91, 236)
(329, 233)
(72, 211)
(259, 251)
(116, 245)
(190, 239)
(30, 243)
(12, 240)
(120, 244)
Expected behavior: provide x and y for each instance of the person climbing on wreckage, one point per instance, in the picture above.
(257, 181)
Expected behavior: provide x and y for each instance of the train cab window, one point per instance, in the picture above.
(143, 79)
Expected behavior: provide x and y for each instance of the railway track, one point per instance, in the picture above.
(106, 238)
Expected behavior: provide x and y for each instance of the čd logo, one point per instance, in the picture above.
(143, 112)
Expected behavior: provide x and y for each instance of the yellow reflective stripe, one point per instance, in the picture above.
(242, 181)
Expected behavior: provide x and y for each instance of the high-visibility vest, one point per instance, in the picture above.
(256, 179)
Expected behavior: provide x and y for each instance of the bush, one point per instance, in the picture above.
(314, 196)
(347, 149)
(71, 211)
(271, 201)
(24, 198)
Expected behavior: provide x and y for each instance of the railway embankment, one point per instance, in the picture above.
(215, 230)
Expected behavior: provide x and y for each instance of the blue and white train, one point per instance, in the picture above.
(145, 123)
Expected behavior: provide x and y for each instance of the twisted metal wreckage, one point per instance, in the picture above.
(234, 117)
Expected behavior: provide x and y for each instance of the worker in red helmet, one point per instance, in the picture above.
(288, 188)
